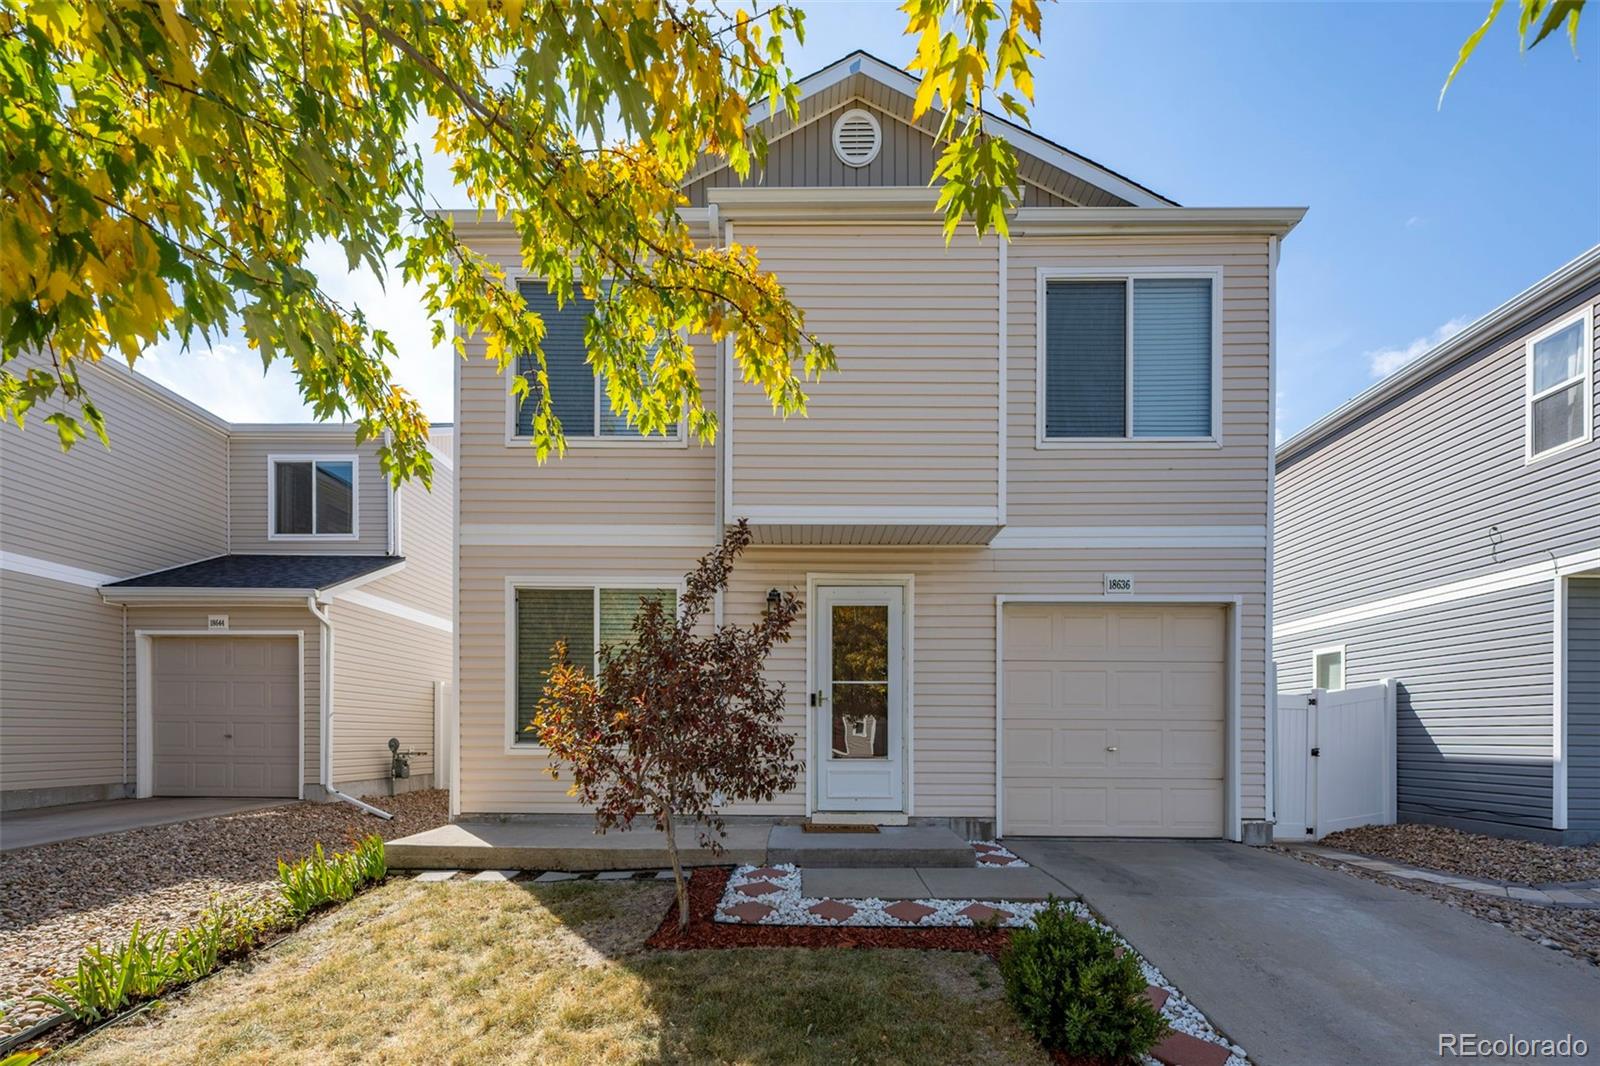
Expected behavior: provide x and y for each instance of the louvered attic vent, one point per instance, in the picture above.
(857, 138)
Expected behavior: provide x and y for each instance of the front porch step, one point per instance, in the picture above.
(898, 846)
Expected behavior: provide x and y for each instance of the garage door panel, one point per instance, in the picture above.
(226, 716)
(1146, 680)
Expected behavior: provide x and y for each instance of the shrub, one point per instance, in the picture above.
(146, 965)
(1067, 984)
(321, 879)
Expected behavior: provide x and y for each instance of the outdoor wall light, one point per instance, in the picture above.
(774, 597)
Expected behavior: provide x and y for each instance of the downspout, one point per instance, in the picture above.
(325, 691)
(124, 695)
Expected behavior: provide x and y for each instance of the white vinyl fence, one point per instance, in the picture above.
(1335, 760)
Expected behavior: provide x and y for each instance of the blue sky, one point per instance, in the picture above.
(1421, 220)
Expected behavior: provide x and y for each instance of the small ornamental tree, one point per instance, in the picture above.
(680, 720)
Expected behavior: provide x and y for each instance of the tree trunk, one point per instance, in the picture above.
(677, 876)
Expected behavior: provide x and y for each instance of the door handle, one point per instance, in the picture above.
(1111, 747)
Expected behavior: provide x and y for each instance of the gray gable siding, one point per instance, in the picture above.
(1474, 700)
(801, 155)
(1432, 488)
(1583, 703)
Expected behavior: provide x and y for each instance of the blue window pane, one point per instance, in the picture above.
(1085, 358)
(566, 363)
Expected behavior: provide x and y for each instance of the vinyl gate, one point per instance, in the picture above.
(1335, 760)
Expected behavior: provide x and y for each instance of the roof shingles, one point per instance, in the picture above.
(263, 572)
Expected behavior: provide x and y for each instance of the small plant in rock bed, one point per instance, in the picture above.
(321, 879)
(1068, 984)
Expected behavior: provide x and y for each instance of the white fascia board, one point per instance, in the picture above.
(1568, 279)
(744, 203)
(1092, 221)
(132, 597)
(356, 582)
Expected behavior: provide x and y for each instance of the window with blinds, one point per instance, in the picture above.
(1128, 358)
(577, 393)
(1558, 386)
(589, 619)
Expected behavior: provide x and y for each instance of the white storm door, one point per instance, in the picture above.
(858, 706)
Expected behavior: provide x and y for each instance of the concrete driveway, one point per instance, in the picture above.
(1302, 965)
(48, 825)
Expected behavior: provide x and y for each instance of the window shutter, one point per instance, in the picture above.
(566, 362)
(545, 616)
(1172, 357)
(1085, 358)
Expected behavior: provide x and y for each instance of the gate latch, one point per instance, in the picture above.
(1316, 753)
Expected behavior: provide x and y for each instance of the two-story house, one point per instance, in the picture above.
(1443, 529)
(214, 609)
(1028, 516)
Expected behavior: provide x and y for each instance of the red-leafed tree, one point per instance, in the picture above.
(680, 720)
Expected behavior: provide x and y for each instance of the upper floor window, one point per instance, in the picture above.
(312, 496)
(1128, 358)
(577, 393)
(1558, 385)
(587, 617)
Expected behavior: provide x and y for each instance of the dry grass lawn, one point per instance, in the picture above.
(499, 973)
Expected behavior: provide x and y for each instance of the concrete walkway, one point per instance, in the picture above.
(1303, 965)
(566, 844)
(47, 825)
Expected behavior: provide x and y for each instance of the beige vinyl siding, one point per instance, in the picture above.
(953, 681)
(155, 498)
(247, 465)
(1432, 488)
(910, 418)
(384, 670)
(643, 481)
(426, 532)
(1140, 484)
(801, 154)
(61, 688)
(154, 619)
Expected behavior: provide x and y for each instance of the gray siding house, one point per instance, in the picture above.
(213, 609)
(1443, 529)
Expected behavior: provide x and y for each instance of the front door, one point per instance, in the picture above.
(859, 701)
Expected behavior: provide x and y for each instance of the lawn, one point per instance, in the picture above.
(490, 973)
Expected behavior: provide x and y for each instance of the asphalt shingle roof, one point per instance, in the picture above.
(263, 572)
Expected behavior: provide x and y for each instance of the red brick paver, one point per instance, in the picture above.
(981, 848)
(1157, 996)
(982, 912)
(757, 888)
(750, 912)
(832, 910)
(1181, 1049)
(991, 858)
(908, 911)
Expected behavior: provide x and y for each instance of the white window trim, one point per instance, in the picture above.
(1344, 665)
(676, 582)
(1585, 376)
(679, 439)
(355, 498)
(1047, 274)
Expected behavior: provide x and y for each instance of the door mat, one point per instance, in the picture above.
(813, 827)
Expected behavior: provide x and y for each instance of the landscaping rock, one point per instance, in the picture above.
(1434, 847)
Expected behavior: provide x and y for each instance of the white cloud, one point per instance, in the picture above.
(1386, 361)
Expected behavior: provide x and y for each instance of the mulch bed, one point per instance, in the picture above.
(705, 890)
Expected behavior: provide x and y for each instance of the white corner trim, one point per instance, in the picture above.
(51, 571)
(490, 534)
(1131, 537)
(1558, 708)
(1500, 581)
(355, 497)
(144, 700)
(1001, 342)
(398, 610)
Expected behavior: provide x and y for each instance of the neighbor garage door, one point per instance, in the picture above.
(226, 716)
(1114, 720)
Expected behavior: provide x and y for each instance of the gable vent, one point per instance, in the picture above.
(857, 138)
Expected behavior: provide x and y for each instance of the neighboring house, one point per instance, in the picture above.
(1027, 517)
(1443, 529)
(184, 613)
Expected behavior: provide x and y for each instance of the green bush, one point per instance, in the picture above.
(145, 965)
(321, 879)
(1066, 983)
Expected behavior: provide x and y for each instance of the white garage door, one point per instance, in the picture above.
(1114, 720)
(226, 716)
